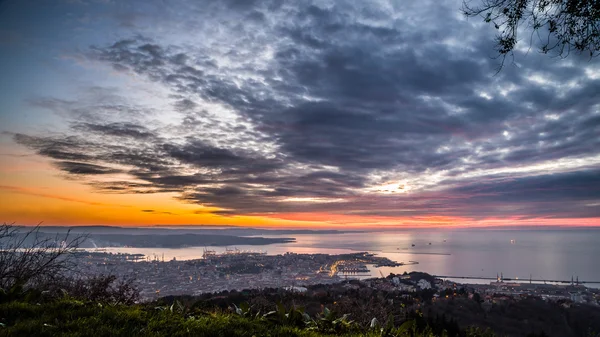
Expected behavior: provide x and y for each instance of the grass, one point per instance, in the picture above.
(75, 318)
(72, 317)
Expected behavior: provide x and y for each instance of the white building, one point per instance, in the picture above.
(295, 289)
(576, 297)
(407, 287)
(424, 284)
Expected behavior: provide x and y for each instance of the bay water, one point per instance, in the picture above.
(554, 254)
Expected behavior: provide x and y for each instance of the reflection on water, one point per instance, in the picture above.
(549, 254)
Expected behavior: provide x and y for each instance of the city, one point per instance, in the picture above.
(236, 270)
(233, 270)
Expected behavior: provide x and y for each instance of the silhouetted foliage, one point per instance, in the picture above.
(561, 26)
(28, 257)
(477, 297)
(102, 288)
(35, 265)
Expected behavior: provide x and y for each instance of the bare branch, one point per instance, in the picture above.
(28, 255)
(562, 26)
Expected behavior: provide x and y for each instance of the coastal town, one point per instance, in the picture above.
(231, 270)
(237, 270)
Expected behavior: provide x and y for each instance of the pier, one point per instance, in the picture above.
(516, 279)
(395, 264)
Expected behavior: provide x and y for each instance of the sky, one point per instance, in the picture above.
(282, 113)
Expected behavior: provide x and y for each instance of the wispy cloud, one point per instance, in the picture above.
(34, 192)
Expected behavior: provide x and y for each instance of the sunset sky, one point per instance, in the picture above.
(288, 113)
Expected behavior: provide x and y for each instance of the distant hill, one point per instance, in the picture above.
(238, 231)
(175, 237)
(178, 240)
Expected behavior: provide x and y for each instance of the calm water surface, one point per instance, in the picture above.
(547, 254)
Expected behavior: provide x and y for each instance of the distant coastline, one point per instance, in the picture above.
(177, 241)
(161, 230)
(178, 237)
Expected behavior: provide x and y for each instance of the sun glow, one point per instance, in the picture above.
(390, 188)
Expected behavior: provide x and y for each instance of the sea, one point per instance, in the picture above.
(554, 254)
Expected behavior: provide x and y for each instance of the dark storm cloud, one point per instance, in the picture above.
(156, 212)
(154, 162)
(365, 100)
(552, 195)
(127, 187)
(197, 153)
(184, 105)
(307, 100)
(572, 186)
(84, 168)
(116, 129)
(359, 140)
(96, 105)
(67, 148)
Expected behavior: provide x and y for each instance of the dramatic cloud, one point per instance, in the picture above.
(355, 108)
(115, 129)
(83, 168)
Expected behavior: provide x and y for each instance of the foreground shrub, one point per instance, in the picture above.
(28, 256)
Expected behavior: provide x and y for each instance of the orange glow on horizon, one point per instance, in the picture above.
(32, 191)
(30, 206)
